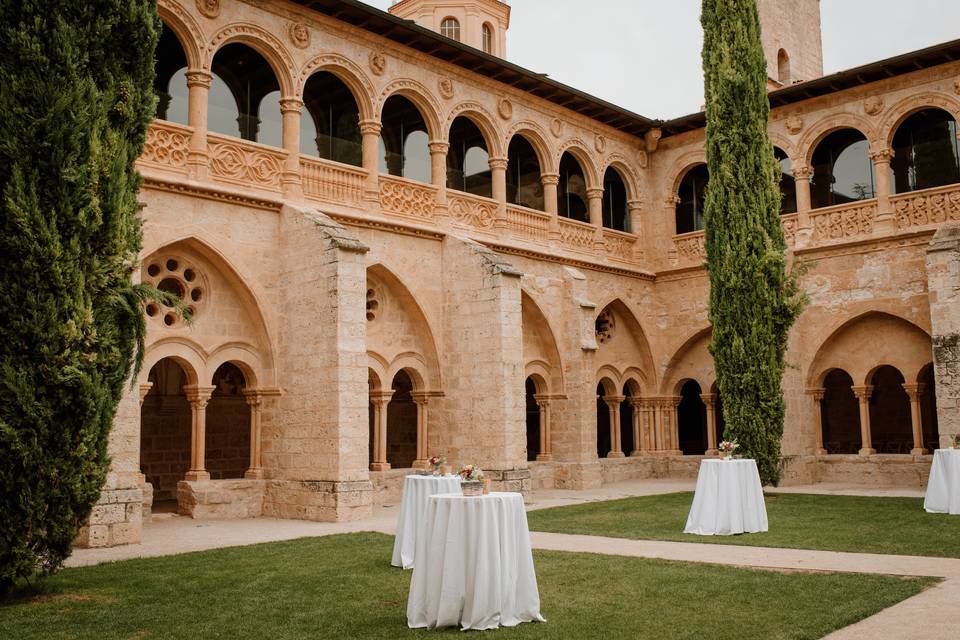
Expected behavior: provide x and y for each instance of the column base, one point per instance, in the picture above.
(712, 452)
(421, 464)
(820, 452)
(919, 452)
(380, 466)
(636, 453)
(196, 475)
(545, 457)
(616, 454)
(254, 474)
(867, 452)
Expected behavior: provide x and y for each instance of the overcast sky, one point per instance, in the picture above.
(644, 55)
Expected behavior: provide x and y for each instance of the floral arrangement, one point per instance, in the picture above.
(436, 461)
(955, 444)
(471, 473)
(727, 447)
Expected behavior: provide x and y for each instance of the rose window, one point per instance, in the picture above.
(604, 327)
(181, 280)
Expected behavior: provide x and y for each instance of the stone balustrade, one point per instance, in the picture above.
(331, 181)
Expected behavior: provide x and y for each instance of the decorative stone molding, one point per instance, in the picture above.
(849, 221)
(299, 35)
(956, 87)
(273, 48)
(473, 212)
(209, 8)
(642, 159)
(604, 326)
(407, 198)
(505, 109)
(166, 145)
(600, 143)
(933, 206)
(176, 275)
(556, 127)
(446, 88)
(246, 164)
(794, 124)
(378, 63)
(873, 105)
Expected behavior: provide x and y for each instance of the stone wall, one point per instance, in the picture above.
(943, 269)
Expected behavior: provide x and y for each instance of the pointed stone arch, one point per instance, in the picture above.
(540, 352)
(623, 345)
(691, 361)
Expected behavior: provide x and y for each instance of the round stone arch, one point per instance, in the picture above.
(588, 163)
(241, 355)
(541, 373)
(635, 380)
(187, 354)
(187, 31)
(824, 127)
(347, 72)
(414, 366)
(478, 115)
(905, 108)
(377, 368)
(264, 43)
(786, 145)
(619, 164)
(421, 98)
(679, 169)
(537, 137)
(610, 379)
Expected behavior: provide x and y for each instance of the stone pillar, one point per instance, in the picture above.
(595, 204)
(674, 419)
(613, 405)
(144, 390)
(498, 174)
(198, 396)
(710, 400)
(438, 170)
(291, 178)
(915, 390)
(863, 397)
(885, 223)
(648, 436)
(943, 283)
(423, 454)
(546, 441)
(254, 399)
(635, 207)
(637, 411)
(370, 130)
(658, 434)
(818, 395)
(801, 178)
(198, 88)
(379, 400)
(550, 181)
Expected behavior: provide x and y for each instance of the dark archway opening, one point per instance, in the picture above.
(604, 445)
(788, 186)
(692, 195)
(692, 420)
(891, 428)
(928, 409)
(166, 424)
(840, 414)
(244, 97)
(925, 152)
(573, 189)
(330, 128)
(842, 170)
(228, 425)
(627, 445)
(524, 186)
(404, 141)
(170, 78)
(616, 214)
(468, 160)
(402, 424)
(533, 421)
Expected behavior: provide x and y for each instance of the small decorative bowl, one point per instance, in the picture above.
(472, 488)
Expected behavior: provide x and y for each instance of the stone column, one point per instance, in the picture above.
(254, 399)
(710, 400)
(613, 405)
(144, 390)
(658, 408)
(550, 182)
(595, 204)
(438, 170)
(198, 92)
(291, 178)
(863, 394)
(674, 419)
(801, 178)
(198, 397)
(637, 411)
(423, 455)
(498, 174)
(915, 390)
(885, 223)
(635, 207)
(546, 440)
(380, 400)
(818, 395)
(648, 435)
(370, 129)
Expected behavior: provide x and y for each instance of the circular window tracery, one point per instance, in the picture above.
(179, 279)
(373, 305)
(604, 326)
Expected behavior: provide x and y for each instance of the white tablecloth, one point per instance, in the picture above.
(728, 500)
(943, 487)
(413, 504)
(474, 565)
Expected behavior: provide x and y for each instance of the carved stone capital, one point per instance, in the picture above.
(437, 146)
(498, 163)
(198, 78)
(550, 178)
(371, 127)
(881, 156)
(594, 193)
(817, 393)
(802, 172)
(291, 105)
(198, 395)
(863, 392)
(708, 398)
(254, 397)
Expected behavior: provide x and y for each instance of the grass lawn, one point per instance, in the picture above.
(343, 587)
(798, 521)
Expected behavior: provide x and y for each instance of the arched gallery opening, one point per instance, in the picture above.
(228, 425)
(166, 424)
(404, 141)
(692, 420)
(840, 414)
(842, 170)
(616, 215)
(604, 445)
(788, 185)
(533, 421)
(402, 423)
(891, 429)
(627, 445)
(468, 160)
(524, 186)
(925, 151)
(244, 97)
(170, 78)
(692, 199)
(330, 124)
(573, 189)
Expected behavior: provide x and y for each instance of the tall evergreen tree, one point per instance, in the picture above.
(753, 301)
(75, 101)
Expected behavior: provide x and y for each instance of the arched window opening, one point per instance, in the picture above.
(692, 420)
(604, 444)
(692, 195)
(450, 28)
(928, 409)
(891, 429)
(487, 38)
(404, 141)
(783, 67)
(788, 186)
(228, 425)
(166, 423)
(170, 78)
(468, 162)
(573, 189)
(402, 424)
(331, 126)
(840, 414)
(533, 421)
(244, 96)
(524, 186)
(926, 153)
(842, 170)
(615, 212)
(627, 445)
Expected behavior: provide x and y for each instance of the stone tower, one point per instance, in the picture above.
(791, 40)
(481, 24)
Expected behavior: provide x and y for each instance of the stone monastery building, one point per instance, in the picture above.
(398, 244)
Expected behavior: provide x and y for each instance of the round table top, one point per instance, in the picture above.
(734, 460)
(489, 496)
(947, 451)
(419, 477)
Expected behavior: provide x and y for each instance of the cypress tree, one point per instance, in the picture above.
(753, 301)
(75, 101)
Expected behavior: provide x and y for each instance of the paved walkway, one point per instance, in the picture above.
(931, 615)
